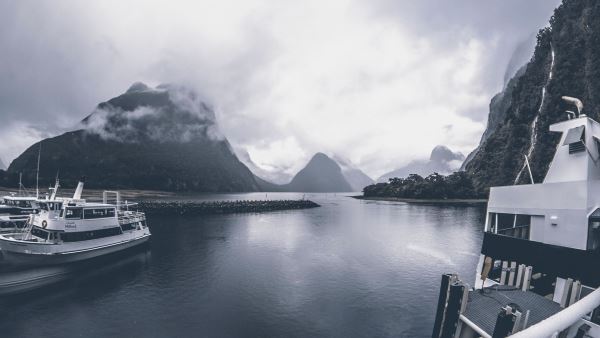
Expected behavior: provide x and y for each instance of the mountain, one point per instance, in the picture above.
(566, 61)
(163, 138)
(442, 160)
(499, 107)
(2, 165)
(356, 177)
(501, 102)
(321, 174)
(276, 176)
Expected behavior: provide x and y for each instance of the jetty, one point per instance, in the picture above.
(222, 207)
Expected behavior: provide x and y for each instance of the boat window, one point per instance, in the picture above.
(593, 241)
(43, 234)
(73, 213)
(98, 213)
(512, 225)
(87, 235)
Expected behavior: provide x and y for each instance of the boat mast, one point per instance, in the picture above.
(37, 174)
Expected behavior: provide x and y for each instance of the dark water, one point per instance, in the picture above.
(348, 269)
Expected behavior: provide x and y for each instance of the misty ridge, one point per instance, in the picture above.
(167, 113)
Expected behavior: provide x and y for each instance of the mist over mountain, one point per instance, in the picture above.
(2, 165)
(442, 161)
(566, 61)
(277, 177)
(501, 102)
(162, 138)
(356, 177)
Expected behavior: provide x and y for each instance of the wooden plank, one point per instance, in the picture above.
(503, 273)
(511, 275)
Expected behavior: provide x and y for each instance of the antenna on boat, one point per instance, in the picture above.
(37, 174)
(577, 102)
(20, 182)
(55, 189)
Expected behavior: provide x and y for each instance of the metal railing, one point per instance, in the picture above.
(129, 217)
(564, 319)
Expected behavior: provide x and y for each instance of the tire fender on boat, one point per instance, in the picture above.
(44, 224)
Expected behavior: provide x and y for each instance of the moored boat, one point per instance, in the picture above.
(72, 229)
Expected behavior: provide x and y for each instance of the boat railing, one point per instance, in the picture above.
(129, 217)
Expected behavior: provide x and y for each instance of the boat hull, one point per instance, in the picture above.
(15, 252)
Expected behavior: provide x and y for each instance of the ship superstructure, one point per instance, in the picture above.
(539, 269)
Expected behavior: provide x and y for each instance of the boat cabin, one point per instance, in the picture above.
(540, 252)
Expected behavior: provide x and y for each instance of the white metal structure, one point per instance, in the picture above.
(72, 229)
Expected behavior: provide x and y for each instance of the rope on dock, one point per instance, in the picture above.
(222, 207)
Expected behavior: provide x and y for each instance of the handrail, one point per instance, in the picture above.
(563, 319)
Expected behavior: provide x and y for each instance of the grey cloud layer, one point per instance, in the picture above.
(271, 68)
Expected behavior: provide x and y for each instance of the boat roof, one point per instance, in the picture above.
(19, 198)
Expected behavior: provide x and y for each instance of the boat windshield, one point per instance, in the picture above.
(18, 203)
(50, 206)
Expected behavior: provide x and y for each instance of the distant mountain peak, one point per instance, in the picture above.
(442, 160)
(321, 174)
(146, 138)
(167, 113)
(137, 87)
(441, 153)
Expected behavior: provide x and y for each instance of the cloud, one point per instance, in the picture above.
(376, 82)
(174, 114)
(16, 134)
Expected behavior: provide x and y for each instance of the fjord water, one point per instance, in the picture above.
(350, 268)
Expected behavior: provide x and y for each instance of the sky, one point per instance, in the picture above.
(378, 82)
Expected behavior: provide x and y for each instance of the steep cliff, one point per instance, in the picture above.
(566, 61)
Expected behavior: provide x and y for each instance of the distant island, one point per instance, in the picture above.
(457, 187)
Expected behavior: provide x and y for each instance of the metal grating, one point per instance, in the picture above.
(483, 309)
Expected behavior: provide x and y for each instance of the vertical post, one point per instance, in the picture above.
(447, 279)
(504, 323)
(527, 278)
(575, 290)
(503, 273)
(565, 293)
(520, 275)
(511, 275)
(455, 299)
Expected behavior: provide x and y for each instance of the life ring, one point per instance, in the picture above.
(44, 224)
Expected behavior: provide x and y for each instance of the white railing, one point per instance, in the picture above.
(131, 217)
(563, 319)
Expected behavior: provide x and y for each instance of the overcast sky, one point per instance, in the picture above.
(379, 82)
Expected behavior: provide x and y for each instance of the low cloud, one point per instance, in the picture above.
(177, 115)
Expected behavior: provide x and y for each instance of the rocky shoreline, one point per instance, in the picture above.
(222, 207)
(424, 200)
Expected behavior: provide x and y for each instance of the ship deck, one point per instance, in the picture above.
(483, 309)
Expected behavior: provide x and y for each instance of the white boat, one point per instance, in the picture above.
(15, 211)
(539, 270)
(72, 229)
